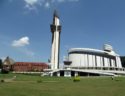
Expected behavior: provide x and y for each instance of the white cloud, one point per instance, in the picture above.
(20, 46)
(32, 4)
(73, 0)
(47, 4)
(67, 0)
(60, 1)
(21, 42)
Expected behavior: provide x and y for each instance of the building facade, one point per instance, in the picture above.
(86, 58)
(91, 62)
(29, 67)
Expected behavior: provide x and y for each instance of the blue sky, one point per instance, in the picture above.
(25, 26)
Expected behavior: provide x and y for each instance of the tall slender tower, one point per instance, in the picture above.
(56, 30)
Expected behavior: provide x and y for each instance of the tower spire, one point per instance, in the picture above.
(55, 29)
(55, 14)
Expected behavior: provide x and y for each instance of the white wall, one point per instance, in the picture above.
(89, 60)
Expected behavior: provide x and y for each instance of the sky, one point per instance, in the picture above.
(25, 27)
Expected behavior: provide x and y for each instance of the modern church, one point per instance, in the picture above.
(82, 61)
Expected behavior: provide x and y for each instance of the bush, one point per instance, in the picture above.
(76, 79)
(4, 71)
(39, 81)
(2, 81)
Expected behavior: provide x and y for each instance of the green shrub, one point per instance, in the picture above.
(2, 80)
(39, 81)
(76, 79)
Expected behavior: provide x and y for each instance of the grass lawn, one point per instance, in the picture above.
(27, 85)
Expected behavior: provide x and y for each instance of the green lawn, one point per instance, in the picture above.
(26, 85)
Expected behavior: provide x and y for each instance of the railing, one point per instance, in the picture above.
(96, 68)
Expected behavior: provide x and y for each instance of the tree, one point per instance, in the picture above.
(1, 64)
(123, 60)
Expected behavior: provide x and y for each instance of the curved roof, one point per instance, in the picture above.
(8, 61)
(91, 50)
